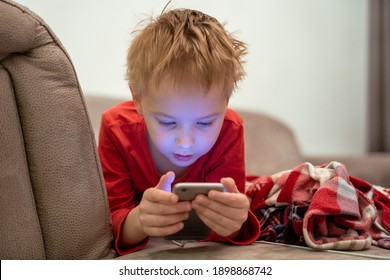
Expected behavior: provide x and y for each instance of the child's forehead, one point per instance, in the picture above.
(186, 104)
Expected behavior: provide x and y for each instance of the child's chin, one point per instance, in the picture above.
(183, 163)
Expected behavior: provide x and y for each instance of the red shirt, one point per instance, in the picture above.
(128, 167)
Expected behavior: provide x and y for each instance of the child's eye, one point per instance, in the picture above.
(167, 124)
(204, 124)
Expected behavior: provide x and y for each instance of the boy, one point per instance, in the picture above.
(182, 68)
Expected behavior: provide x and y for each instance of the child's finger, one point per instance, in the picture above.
(162, 192)
(229, 185)
(166, 181)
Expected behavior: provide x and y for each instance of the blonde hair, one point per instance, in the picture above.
(185, 46)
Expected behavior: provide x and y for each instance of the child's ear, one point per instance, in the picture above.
(136, 99)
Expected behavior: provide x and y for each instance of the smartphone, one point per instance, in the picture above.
(194, 228)
(188, 191)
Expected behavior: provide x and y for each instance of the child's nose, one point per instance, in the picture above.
(185, 140)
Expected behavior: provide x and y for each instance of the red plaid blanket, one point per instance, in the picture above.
(321, 207)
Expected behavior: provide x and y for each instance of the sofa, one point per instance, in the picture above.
(53, 201)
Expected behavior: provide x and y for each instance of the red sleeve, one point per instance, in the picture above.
(249, 232)
(120, 191)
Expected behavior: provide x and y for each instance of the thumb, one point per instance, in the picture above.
(229, 185)
(166, 181)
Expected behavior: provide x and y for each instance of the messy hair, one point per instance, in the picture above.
(185, 46)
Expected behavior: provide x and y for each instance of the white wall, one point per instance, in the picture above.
(307, 63)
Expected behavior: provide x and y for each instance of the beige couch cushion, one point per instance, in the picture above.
(270, 146)
(17, 203)
(53, 200)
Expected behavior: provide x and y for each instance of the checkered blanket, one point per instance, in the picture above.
(321, 207)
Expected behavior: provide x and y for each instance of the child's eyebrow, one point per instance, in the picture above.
(201, 118)
(211, 116)
(163, 115)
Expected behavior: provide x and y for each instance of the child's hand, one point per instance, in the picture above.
(223, 212)
(160, 213)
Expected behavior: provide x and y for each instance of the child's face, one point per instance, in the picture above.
(182, 123)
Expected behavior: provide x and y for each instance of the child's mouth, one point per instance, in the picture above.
(183, 158)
